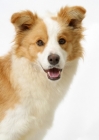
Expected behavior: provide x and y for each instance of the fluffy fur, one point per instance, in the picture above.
(37, 72)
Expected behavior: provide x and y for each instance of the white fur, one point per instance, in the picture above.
(52, 46)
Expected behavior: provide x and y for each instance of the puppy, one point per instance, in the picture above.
(37, 72)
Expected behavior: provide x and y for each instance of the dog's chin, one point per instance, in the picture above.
(53, 73)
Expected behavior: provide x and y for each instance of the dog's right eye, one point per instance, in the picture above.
(62, 41)
(40, 43)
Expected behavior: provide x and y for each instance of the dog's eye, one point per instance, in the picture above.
(40, 43)
(62, 41)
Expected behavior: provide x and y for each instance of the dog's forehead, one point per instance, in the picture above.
(53, 27)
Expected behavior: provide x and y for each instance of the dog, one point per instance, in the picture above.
(36, 74)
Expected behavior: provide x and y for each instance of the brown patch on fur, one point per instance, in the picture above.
(23, 20)
(30, 29)
(8, 98)
(70, 19)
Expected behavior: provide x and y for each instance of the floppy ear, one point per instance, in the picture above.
(23, 20)
(73, 16)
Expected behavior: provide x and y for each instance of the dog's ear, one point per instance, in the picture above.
(73, 16)
(23, 20)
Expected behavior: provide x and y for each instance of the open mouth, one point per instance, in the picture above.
(54, 73)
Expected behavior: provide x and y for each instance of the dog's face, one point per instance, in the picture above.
(53, 57)
(51, 41)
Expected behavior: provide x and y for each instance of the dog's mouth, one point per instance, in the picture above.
(54, 73)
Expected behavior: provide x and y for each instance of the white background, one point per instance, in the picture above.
(77, 117)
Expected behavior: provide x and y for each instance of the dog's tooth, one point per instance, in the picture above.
(48, 73)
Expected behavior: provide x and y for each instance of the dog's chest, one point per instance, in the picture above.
(38, 105)
(34, 112)
(38, 100)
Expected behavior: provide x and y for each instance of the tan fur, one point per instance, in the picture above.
(72, 17)
(21, 18)
(26, 40)
(8, 97)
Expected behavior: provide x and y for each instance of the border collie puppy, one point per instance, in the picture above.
(37, 72)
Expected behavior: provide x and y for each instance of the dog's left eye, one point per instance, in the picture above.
(61, 41)
(40, 43)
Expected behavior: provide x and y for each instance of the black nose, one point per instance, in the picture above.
(53, 59)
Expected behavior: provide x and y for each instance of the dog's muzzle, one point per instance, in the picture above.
(54, 73)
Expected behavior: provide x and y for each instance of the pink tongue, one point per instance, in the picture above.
(54, 73)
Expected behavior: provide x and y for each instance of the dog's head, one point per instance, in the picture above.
(51, 41)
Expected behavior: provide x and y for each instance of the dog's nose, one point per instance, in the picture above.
(53, 59)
